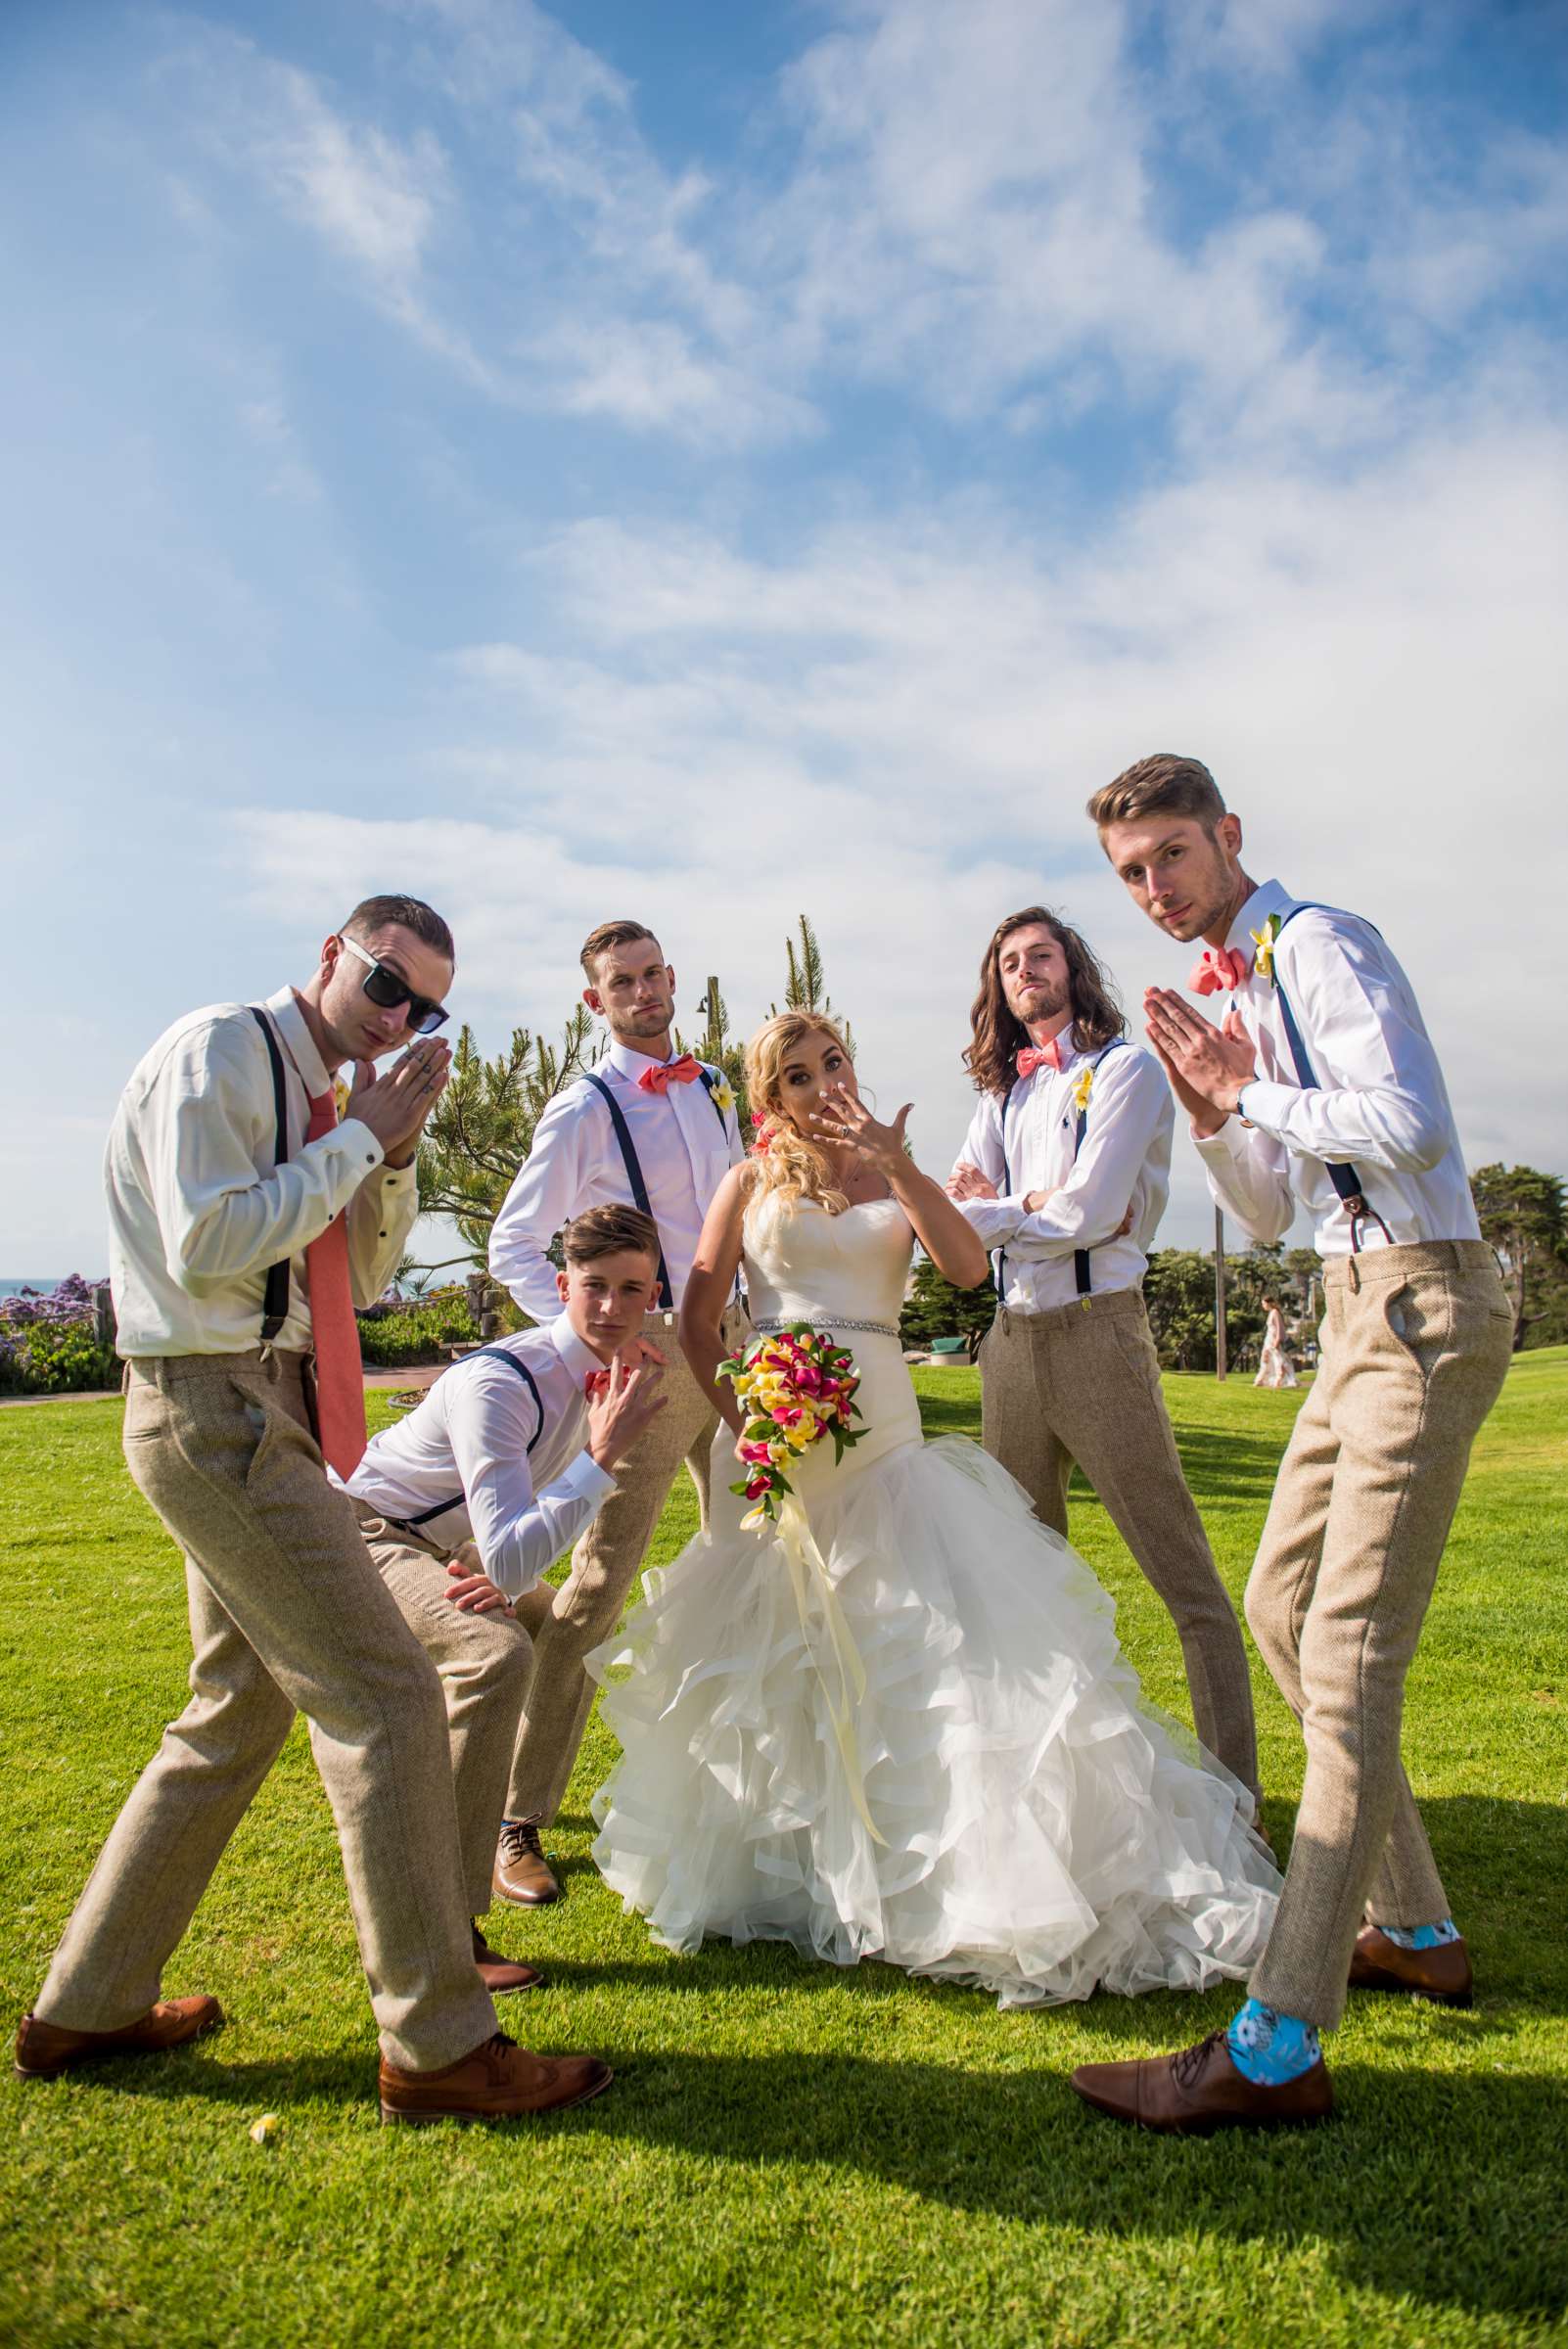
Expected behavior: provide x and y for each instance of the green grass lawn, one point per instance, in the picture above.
(790, 2154)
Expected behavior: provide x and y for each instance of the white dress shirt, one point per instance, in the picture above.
(490, 1457)
(198, 1210)
(684, 1144)
(1379, 1103)
(1125, 1161)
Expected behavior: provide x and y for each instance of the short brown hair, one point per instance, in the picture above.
(408, 913)
(611, 934)
(607, 1230)
(1164, 785)
(998, 1034)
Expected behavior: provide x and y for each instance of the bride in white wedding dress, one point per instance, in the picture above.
(900, 1724)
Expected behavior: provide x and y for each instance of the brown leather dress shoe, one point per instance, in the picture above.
(497, 2082)
(522, 1872)
(502, 1974)
(1442, 1974)
(1199, 2091)
(44, 2050)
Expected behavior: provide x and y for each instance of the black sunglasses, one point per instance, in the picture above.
(383, 986)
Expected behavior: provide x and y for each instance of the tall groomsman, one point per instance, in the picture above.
(1321, 1085)
(643, 1130)
(246, 1218)
(1064, 1174)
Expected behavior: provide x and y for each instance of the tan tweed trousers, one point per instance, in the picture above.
(567, 1623)
(288, 1613)
(484, 1663)
(1082, 1382)
(1413, 1347)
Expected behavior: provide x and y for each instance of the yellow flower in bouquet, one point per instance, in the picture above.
(795, 1389)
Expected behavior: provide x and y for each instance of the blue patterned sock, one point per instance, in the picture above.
(1270, 2047)
(1421, 1937)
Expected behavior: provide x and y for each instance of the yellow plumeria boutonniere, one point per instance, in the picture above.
(340, 1094)
(724, 1096)
(1083, 1086)
(1263, 941)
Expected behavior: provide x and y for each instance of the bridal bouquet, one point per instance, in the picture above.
(795, 1389)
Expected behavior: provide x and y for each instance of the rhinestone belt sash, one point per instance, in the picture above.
(833, 1323)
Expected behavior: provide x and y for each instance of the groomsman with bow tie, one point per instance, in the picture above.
(1064, 1174)
(648, 1131)
(466, 1503)
(247, 1219)
(1320, 1085)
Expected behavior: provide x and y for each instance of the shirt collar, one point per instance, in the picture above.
(290, 1025)
(1269, 896)
(578, 1358)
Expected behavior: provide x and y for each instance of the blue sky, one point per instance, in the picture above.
(714, 463)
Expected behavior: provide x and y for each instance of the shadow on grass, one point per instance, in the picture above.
(1019, 2145)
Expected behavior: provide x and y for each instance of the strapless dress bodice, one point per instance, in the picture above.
(802, 1263)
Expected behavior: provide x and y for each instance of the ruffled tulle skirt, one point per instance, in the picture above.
(1039, 1830)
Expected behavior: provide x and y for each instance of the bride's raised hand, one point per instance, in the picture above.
(845, 1120)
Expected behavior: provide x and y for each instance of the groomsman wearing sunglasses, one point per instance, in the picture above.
(644, 1129)
(247, 1218)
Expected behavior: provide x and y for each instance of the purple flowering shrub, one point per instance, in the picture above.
(49, 1344)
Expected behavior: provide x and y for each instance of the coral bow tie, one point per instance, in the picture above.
(595, 1382)
(1039, 1056)
(333, 1331)
(674, 1072)
(1218, 969)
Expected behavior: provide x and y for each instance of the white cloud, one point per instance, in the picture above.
(896, 728)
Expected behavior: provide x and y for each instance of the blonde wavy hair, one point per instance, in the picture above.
(785, 1164)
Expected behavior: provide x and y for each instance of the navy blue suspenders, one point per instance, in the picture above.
(502, 1354)
(1341, 1174)
(275, 1299)
(628, 1158)
(1080, 1256)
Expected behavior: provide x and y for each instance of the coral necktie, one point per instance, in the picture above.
(1218, 969)
(339, 1373)
(1039, 1056)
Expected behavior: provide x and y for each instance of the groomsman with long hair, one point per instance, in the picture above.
(1064, 1174)
(1320, 1086)
(646, 1129)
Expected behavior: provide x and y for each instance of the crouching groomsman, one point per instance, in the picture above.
(466, 1503)
(644, 1129)
(247, 1216)
(1321, 1085)
(1065, 1174)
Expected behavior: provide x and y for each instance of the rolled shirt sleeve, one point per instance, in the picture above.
(548, 1190)
(218, 1217)
(1129, 1108)
(381, 1215)
(519, 1533)
(1249, 1178)
(993, 1221)
(1379, 1099)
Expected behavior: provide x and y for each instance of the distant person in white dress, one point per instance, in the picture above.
(899, 1724)
(1275, 1367)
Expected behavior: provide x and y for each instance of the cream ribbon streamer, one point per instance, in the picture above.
(808, 1567)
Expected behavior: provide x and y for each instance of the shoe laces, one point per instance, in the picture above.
(1185, 2066)
(519, 1838)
